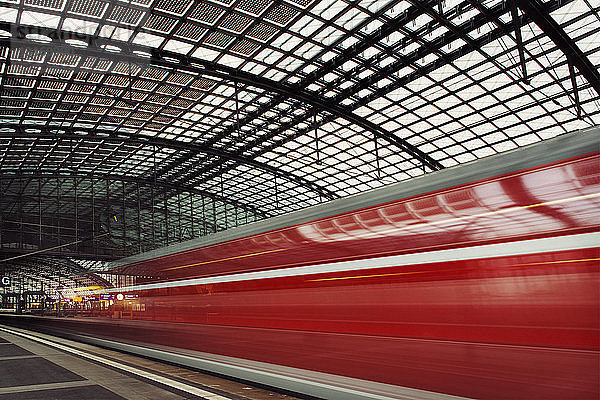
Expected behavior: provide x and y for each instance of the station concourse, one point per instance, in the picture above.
(300, 199)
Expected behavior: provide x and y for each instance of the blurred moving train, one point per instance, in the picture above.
(479, 281)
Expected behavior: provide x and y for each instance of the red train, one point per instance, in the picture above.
(480, 281)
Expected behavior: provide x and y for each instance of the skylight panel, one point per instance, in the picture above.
(308, 51)
(117, 33)
(80, 26)
(494, 111)
(39, 19)
(88, 8)
(428, 59)
(47, 4)
(206, 53)
(231, 61)
(280, 14)
(567, 12)
(504, 146)
(351, 19)
(126, 15)
(497, 81)
(348, 42)
(218, 39)
(178, 46)
(147, 39)
(159, 23)
(328, 8)
(518, 102)
(364, 74)
(398, 9)
(527, 139)
(483, 102)
(346, 84)
(175, 7)
(290, 63)
(253, 7)
(409, 48)
(286, 42)
(509, 92)
(370, 52)
(306, 26)
(371, 26)
(582, 26)
(268, 56)
(460, 111)
(471, 92)
(8, 14)
(419, 84)
(328, 36)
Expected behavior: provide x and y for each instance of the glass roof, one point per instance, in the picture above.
(279, 105)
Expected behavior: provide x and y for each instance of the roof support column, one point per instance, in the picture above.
(519, 38)
(575, 89)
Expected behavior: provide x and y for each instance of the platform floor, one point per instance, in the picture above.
(39, 366)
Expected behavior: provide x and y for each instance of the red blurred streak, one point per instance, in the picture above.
(561, 311)
(523, 326)
(223, 259)
(231, 256)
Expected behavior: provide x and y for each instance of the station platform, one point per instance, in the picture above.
(40, 366)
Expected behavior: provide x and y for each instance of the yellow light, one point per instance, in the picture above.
(561, 262)
(223, 259)
(81, 289)
(370, 276)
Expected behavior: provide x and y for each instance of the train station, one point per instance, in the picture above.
(300, 199)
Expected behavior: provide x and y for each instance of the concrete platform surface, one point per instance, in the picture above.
(39, 366)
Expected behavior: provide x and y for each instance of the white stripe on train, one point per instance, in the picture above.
(522, 247)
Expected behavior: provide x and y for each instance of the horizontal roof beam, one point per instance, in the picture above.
(203, 68)
(20, 174)
(43, 132)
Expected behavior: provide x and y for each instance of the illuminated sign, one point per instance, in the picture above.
(106, 297)
(120, 297)
(77, 299)
(131, 296)
(5, 281)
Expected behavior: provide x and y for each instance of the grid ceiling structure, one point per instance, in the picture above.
(237, 110)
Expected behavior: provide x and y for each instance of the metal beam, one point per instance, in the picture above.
(45, 132)
(201, 68)
(118, 248)
(487, 15)
(52, 266)
(519, 39)
(539, 14)
(19, 174)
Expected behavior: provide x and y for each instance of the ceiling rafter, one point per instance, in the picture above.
(201, 67)
(539, 14)
(117, 137)
(421, 52)
(352, 51)
(53, 268)
(18, 174)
